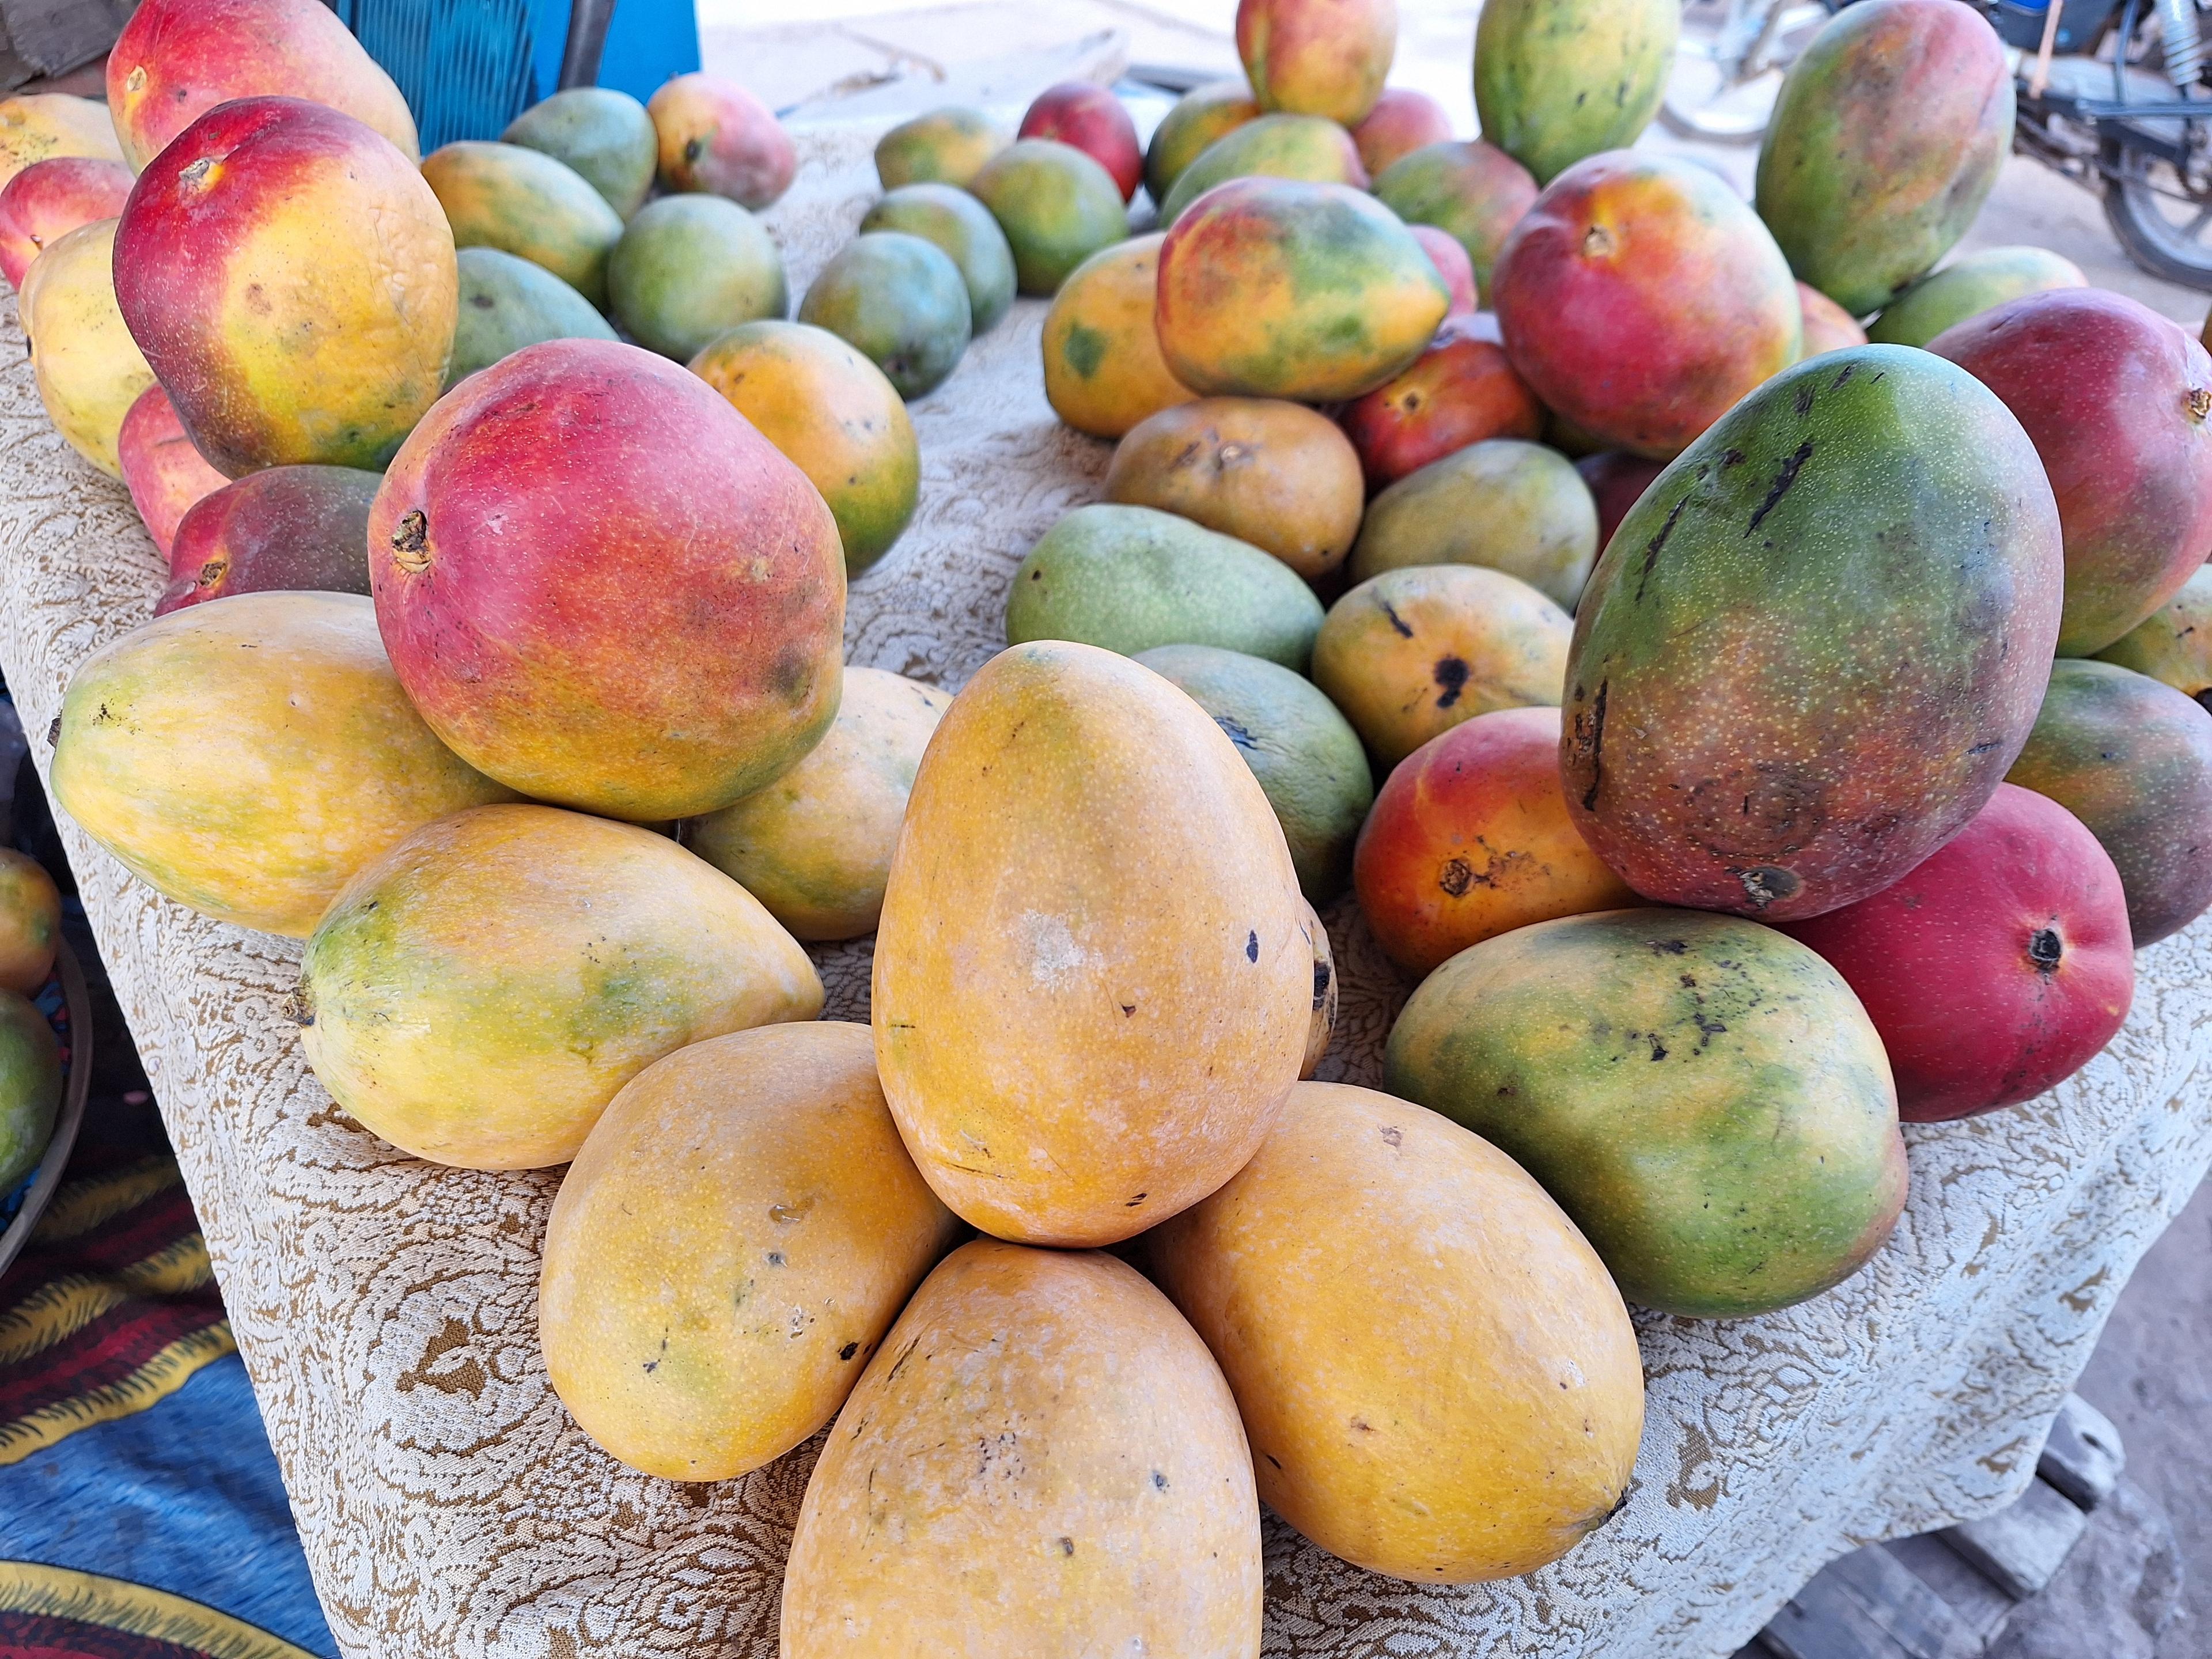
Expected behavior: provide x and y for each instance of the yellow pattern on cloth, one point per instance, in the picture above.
(26, 1587)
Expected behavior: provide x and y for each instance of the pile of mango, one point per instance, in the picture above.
(1808, 752)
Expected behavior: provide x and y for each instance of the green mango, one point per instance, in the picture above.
(691, 268)
(1970, 285)
(963, 227)
(1199, 116)
(1129, 578)
(1511, 506)
(1473, 192)
(30, 1087)
(605, 135)
(900, 301)
(1558, 80)
(1704, 1096)
(524, 202)
(509, 303)
(1305, 147)
(1309, 761)
(1057, 206)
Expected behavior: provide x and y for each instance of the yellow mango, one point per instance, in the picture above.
(88, 369)
(1439, 1380)
(1092, 986)
(1042, 1462)
(36, 126)
(737, 1233)
(1102, 368)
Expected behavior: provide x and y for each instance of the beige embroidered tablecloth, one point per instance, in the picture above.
(385, 1308)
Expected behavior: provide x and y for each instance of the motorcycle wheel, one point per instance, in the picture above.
(2165, 229)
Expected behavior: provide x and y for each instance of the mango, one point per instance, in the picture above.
(1104, 371)
(1091, 118)
(1559, 80)
(508, 303)
(1452, 265)
(1617, 482)
(1057, 206)
(1970, 285)
(1462, 391)
(284, 527)
(834, 416)
(564, 507)
(763, 1160)
(1318, 57)
(478, 994)
(2131, 757)
(177, 59)
(1470, 838)
(1509, 506)
(30, 1088)
(1272, 147)
(1198, 116)
(2117, 401)
(691, 268)
(290, 277)
(1375, 1266)
(1275, 474)
(606, 136)
(1274, 287)
(971, 237)
(30, 923)
(1827, 325)
(1040, 1462)
(2174, 644)
(49, 198)
(35, 126)
(1322, 1026)
(901, 302)
(815, 847)
(1640, 298)
(1885, 139)
(245, 759)
(526, 203)
(1401, 122)
(1091, 901)
(945, 146)
(1305, 755)
(1704, 1097)
(163, 472)
(1129, 578)
(716, 138)
(1410, 652)
(1824, 630)
(1474, 192)
(87, 369)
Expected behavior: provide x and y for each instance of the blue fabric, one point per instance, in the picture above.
(648, 41)
(183, 1497)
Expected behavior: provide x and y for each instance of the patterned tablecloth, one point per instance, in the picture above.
(385, 1308)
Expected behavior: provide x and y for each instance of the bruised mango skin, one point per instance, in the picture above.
(1110, 1509)
(528, 204)
(177, 59)
(1091, 903)
(479, 993)
(1275, 288)
(1558, 80)
(247, 758)
(88, 370)
(765, 1160)
(1825, 628)
(1272, 147)
(291, 279)
(1376, 1265)
(1886, 135)
(1103, 370)
(1325, 57)
(1199, 116)
(569, 502)
(815, 847)
(1704, 1096)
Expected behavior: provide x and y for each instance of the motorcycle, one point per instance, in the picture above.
(2117, 102)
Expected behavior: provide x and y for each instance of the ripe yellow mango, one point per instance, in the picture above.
(88, 369)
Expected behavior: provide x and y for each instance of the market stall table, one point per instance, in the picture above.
(385, 1308)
